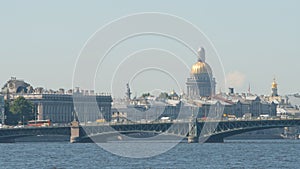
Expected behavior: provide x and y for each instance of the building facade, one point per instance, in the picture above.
(58, 106)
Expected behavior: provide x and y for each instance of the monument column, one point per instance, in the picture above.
(40, 111)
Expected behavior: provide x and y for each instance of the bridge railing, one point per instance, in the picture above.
(186, 121)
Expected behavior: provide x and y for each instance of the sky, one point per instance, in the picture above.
(255, 40)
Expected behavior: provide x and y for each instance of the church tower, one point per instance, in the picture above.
(274, 88)
(128, 93)
(201, 82)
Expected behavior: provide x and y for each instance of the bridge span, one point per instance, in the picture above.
(10, 134)
(193, 130)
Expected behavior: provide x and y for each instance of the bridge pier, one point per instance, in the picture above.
(75, 132)
(193, 136)
(193, 139)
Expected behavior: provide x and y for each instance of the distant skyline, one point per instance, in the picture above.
(256, 40)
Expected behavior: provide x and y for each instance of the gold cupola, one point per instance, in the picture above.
(274, 84)
(200, 66)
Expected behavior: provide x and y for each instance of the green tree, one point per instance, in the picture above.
(144, 95)
(7, 113)
(21, 110)
(10, 118)
(163, 96)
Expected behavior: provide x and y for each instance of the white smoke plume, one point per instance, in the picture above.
(235, 79)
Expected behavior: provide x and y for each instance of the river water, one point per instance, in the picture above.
(231, 154)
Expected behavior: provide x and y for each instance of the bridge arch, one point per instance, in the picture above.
(9, 135)
(224, 130)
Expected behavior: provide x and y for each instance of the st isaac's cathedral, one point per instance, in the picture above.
(201, 82)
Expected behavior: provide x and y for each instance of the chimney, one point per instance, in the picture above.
(231, 91)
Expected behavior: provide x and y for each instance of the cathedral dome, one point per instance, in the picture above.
(274, 84)
(200, 67)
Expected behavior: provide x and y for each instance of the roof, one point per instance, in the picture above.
(251, 98)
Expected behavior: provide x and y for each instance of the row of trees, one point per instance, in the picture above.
(162, 96)
(19, 111)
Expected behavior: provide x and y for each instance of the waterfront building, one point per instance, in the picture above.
(58, 106)
(149, 108)
(17, 86)
(201, 82)
(241, 105)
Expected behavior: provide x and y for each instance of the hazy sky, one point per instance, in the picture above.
(256, 40)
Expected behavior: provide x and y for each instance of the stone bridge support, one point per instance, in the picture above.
(193, 135)
(75, 132)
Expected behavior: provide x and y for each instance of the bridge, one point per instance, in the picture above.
(193, 130)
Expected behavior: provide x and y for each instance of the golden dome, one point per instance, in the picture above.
(274, 84)
(200, 67)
